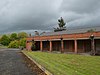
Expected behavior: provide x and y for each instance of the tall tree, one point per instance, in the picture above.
(61, 23)
(5, 40)
(23, 42)
(22, 35)
(91, 30)
(13, 36)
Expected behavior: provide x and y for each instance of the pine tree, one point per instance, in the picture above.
(61, 23)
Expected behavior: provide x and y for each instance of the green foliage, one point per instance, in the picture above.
(14, 44)
(61, 23)
(33, 47)
(91, 30)
(13, 36)
(5, 40)
(22, 35)
(3, 47)
(14, 40)
(23, 42)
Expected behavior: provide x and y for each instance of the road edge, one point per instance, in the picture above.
(38, 65)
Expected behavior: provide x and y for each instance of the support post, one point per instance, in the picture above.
(62, 46)
(41, 46)
(75, 46)
(50, 46)
(93, 47)
(93, 51)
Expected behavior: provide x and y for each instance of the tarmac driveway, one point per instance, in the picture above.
(12, 63)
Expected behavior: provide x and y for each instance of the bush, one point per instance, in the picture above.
(13, 36)
(14, 44)
(33, 47)
(22, 35)
(5, 40)
(23, 42)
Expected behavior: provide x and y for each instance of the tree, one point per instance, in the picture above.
(91, 30)
(14, 44)
(5, 40)
(23, 42)
(13, 36)
(61, 25)
(22, 35)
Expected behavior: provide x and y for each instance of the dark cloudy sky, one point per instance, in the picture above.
(42, 15)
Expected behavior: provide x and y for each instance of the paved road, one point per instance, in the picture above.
(12, 63)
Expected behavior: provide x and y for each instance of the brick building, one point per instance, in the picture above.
(77, 41)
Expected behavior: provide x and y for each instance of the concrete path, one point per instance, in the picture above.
(12, 63)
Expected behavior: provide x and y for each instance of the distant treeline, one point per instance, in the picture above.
(14, 40)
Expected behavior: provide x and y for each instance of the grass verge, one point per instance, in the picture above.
(3, 47)
(67, 64)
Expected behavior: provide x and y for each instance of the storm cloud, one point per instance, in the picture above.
(42, 15)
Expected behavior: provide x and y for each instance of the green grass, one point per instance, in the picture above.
(3, 47)
(67, 64)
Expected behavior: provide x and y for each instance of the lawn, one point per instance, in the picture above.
(3, 47)
(67, 64)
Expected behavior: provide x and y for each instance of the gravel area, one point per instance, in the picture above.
(13, 63)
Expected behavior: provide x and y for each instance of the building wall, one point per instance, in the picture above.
(68, 36)
(87, 45)
(56, 45)
(97, 45)
(83, 42)
(45, 45)
(37, 43)
(28, 45)
(69, 45)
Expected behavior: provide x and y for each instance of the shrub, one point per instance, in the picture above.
(14, 44)
(33, 47)
(13, 36)
(23, 42)
(5, 40)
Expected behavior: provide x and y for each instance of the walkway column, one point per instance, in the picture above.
(62, 46)
(41, 46)
(93, 52)
(75, 46)
(50, 46)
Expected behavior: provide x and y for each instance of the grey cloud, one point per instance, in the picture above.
(29, 14)
(42, 15)
(80, 6)
(81, 13)
(86, 20)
